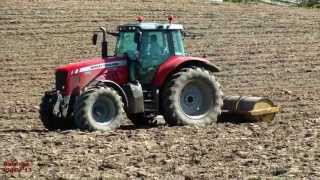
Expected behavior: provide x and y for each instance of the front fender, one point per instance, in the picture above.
(116, 87)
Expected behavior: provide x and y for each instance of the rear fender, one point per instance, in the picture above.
(175, 63)
(207, 65)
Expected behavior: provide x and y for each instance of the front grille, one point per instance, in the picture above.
(61, 80)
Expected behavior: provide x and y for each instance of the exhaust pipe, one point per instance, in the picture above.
(104, 43)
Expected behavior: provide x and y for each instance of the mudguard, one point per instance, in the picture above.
(116, 87)
(174, 63)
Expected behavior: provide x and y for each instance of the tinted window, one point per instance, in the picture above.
(126, 44)
(154, 48)
(177, 42)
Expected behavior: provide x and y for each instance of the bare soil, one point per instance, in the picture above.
(263, 50)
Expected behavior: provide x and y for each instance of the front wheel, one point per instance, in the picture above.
(99, 108)
(49, 120)
(192, 97)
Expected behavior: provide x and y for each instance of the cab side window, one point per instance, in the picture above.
(126, 44)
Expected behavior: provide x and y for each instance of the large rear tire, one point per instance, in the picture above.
(192, 97)
(48, 119)
(99, 108)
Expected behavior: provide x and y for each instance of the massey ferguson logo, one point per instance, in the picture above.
(101, 66)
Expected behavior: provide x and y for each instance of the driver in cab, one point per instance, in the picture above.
(154, 50)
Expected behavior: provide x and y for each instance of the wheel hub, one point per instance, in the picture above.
(103, 110)
(190, 99)
(195, 99)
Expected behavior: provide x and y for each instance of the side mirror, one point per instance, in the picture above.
(185, 34)
(137, 36)
(94, 38)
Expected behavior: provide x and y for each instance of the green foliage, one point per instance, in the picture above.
(241, 1)
(310, 3)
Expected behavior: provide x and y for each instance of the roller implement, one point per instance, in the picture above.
(249, 108)
(149, 74)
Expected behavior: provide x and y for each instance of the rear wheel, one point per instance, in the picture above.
(192, 97)
(99, 108)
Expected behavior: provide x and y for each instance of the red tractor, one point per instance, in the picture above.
(148, 75)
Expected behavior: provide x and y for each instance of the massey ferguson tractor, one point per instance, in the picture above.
(150, 74)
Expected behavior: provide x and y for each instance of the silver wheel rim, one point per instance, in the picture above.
(103, 110)
(196, 99)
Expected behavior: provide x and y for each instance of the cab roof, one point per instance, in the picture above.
(149, 26)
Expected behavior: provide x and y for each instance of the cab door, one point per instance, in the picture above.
(155, 50)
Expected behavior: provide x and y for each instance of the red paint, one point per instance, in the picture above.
(77, 81)
(170, 65)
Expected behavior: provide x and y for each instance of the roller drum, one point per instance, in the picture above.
(250, 108)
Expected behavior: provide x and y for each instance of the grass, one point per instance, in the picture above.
(304, 3)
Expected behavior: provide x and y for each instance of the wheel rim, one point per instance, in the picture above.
(196, 99)
(103, 110)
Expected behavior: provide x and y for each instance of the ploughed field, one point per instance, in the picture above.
(262, 50)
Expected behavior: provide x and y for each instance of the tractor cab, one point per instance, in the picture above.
(147, 45)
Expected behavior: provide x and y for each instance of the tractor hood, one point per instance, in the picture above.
(75, 76)
(91, 64)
